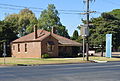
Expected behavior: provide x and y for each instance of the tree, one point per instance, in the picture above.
(27, 20)
(115, 13)
(13, 19)
(7, 31)
(105, 24)
(75, 35)
(50, 18)
(7, 35)
(23, 21)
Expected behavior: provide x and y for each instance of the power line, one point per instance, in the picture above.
(38, 10)
(71, 10)
(9, 5)
(9, 8)
(69, 13)
(19, 6)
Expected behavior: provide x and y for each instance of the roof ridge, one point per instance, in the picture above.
(65, 38)
(42, 34)
(41, 31)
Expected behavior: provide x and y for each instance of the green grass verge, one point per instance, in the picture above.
(10, 60)
(104, 59)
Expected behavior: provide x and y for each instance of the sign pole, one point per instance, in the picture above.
(83, 47)
(4, 51)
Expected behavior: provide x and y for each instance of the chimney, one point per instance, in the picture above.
(35, 32)
(53, 30)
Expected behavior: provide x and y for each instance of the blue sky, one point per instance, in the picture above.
(71, 21)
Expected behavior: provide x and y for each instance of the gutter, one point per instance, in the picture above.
(97, 61)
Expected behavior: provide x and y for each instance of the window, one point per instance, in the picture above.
(13, 47)
(25, 47)
(50, 46)
(18, 47)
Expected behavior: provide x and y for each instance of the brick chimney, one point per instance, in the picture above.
(35, 32)
(53, 30)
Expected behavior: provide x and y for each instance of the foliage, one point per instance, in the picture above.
(7, 31)
(115, 13)
(105, 24)
(80, 39)
(50, 18)
(75, 35)
(23, 21)
(7, 35)
(12, 19)
(45, 55)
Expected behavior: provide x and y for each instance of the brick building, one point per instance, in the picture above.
(41, 42)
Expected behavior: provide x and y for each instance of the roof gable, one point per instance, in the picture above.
(42, 34)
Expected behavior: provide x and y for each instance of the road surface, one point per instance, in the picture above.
(64, 72)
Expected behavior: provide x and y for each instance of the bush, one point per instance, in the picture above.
(45, 55)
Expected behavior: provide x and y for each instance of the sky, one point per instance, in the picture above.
(69, 19)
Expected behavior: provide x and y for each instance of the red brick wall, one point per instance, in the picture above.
(33, 50)
(44, 48)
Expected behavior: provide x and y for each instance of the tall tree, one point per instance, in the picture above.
(50, 18)
(75, 35)
(23, 21)
(13, 19)
(27, 20)
(105, 24)
(7, 35)
(7, 31)
(115, 13)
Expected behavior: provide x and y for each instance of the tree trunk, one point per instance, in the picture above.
(102, 49)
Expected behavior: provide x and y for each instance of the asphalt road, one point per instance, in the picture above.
(65, 72)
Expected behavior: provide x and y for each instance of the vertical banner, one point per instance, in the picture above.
(108, 45)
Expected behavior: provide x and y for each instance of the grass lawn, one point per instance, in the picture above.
(104, 59)
(10, 60)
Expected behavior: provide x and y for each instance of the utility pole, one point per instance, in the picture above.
(87, 13)
(87, 23)
(83, 47)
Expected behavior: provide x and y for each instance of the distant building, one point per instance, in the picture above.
(40, 42)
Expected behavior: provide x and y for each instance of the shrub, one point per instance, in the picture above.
(45, 55)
